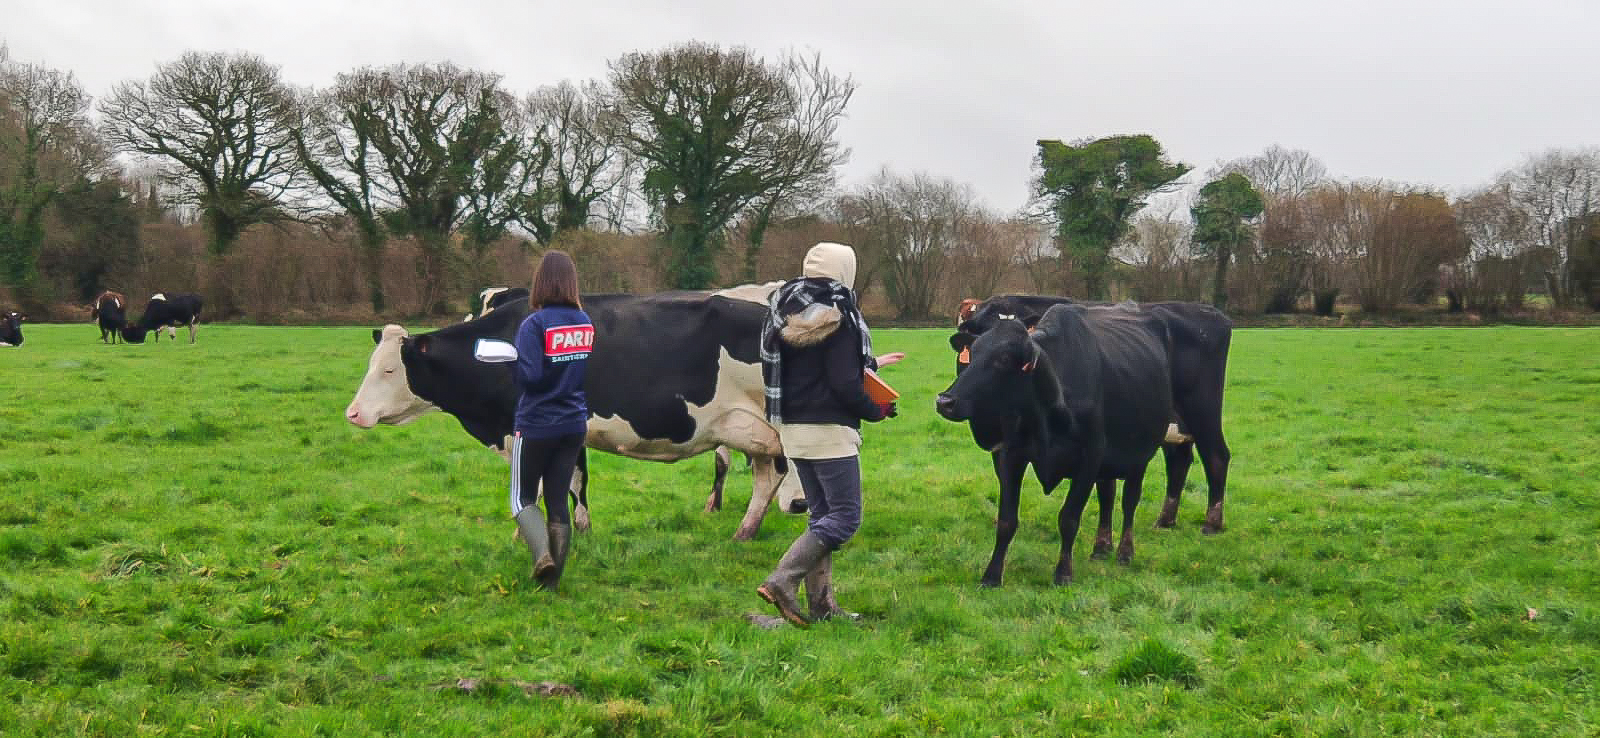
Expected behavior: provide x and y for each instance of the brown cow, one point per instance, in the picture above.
(109, 310)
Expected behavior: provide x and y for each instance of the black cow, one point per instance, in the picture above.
(165, 311)
(671, 376)
(1086, 397)
(1200, 336)
(11, 328)
(110, 312)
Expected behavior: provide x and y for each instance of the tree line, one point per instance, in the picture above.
(402, 189)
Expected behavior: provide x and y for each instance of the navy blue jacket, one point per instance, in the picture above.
(553, 347)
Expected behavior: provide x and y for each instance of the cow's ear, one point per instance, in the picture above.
(961, 341)
(377, 336)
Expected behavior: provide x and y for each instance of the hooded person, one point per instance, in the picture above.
(815, 349)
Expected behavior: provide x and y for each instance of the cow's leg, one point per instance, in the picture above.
(191, 331)
(719, 477)
(765, 480)
(1179, 458)
(1107, 489)
(1131, 489)
(749, 432)
(1214, 457)
(1008, 469)
(580, 493)
(1067, 520)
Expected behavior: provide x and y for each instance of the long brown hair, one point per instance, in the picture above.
(555, 282)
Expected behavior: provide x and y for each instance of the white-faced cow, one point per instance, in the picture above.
(1086, 397)
(672, 376)
(11, 328)
(110, 313)
(1200, 336)
(165, 311)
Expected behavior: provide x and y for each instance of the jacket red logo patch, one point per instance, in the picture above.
(569, 341)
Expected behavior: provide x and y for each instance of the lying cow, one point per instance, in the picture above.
(165, 311)
(11, 328)
(110, 312)
(1085, 397)
(672, 376)
(1200, 337)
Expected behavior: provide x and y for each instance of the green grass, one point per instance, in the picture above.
(194, 542)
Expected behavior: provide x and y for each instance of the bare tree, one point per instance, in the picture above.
(1558, 189)
(1493, 275)
(1412, 234)
(808, 170)
(586, 166)
(916, 224)
(1277, 172)
(223, 122)
(424, 151)
(987, 250)
(46, 144)
(1160, 250)
(718, 131)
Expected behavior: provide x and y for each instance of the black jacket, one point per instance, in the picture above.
(822, 372)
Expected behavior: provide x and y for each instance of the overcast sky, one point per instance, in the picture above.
(1438, 93)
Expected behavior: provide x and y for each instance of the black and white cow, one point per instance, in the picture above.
(165, 311)
(493, 297)
(1086, 397)
(1200, 336)
(110, 312)
(11, 328)
(672, 376)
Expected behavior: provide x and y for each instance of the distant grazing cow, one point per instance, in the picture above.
(672, 376)
(1085, 397)
(165, 311)
(1200, 337)
(110, 312)
(11, 328)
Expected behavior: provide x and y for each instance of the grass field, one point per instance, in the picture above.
(194, 542)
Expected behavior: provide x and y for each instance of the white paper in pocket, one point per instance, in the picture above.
(494, 351)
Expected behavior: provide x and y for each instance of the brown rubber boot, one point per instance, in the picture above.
(820, 604)
(560, 546)
(532, 529)
(779, 589)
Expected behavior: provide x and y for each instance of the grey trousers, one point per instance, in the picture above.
(833, 494)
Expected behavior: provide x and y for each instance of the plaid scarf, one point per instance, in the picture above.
(793, 297)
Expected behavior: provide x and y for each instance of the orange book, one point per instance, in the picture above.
(877, 390)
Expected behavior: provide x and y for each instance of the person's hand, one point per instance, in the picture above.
(892, 357)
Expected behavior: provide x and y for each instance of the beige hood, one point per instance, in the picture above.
(810, 326)
(833, 261)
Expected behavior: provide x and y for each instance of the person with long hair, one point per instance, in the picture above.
(553, 345)
(815, 350)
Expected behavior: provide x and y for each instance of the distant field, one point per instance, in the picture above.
(194, 542)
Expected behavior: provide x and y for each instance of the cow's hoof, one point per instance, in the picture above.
(1125, 556)
(1101, 551)
(987, 583)
(713, 506)
(744, 536)
(1210, 529)
(1165, 523)
(1063, 580)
